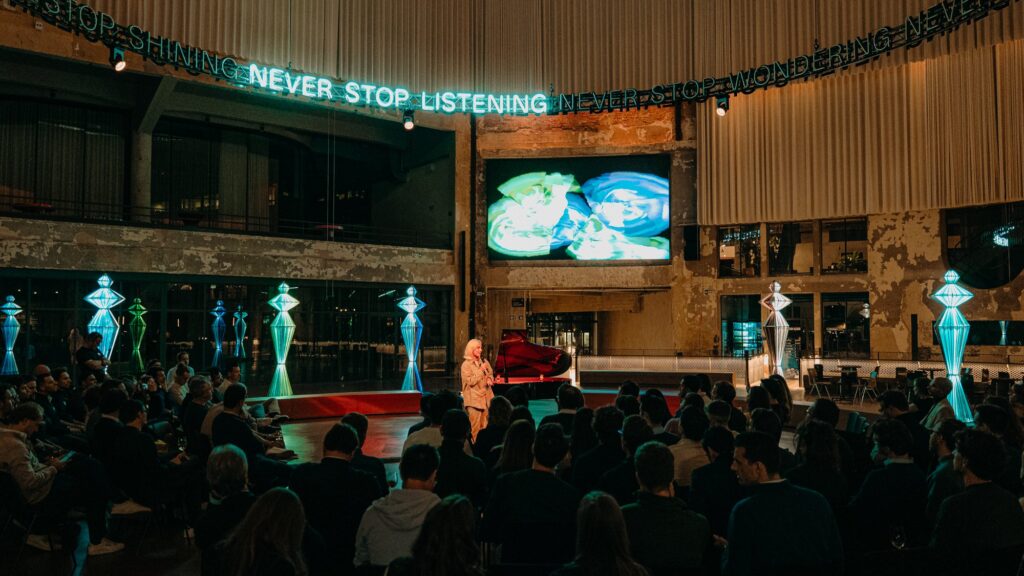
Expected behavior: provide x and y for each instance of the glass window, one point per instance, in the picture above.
(986, 244)
(846, 324)
(791, 248)
(843, 246)
(739, 251)
(800, 315)
(741, 325)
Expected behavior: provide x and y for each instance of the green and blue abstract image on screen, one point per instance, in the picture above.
(608, 208)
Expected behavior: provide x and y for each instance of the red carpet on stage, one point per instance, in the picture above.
(312, 406)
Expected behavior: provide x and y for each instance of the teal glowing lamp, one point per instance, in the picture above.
(412, 330)
(240, 327)
(104, 298)
(11, 329)
(953, 329)
(219, 327)
(282, 329)
(137, 329)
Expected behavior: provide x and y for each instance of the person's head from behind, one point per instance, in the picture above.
(517, 449)
(569, 397)
(635, 432)
(979, 456)
(992, 419)
(755, 458)
(359, 423)
(276, 522)
(500, 412)
(425, 400)
(341, 441)
(549, 446)
(718, 414)
(583, 426)
(940, 387)
(132, 413)
(201, 389)
(455, 426)
(418, 467)
(26, 418)
(446, 544)
(892, 440)
(693, 400)
(608, 425)
(522, 413)
(825, 411)
(942, 441)
(694, 423)
(655, 468)
(718, 443)
(111, 400)
(921, 386)
(690, 384)
(629, 388)
(654, 409)
(723, 391)
(518, 397)
(628, 405)
(758, 397)
(766, 421)
(227, 471)
(602, 544)
(440, 404)
(817, 444)
(234, 397)
(893, 403)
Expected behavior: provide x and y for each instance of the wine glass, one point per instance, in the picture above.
(898, 537)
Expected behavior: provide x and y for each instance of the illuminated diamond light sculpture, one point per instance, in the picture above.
(282, 329)
(412, 330)
(11, 329)
(137, 329)
(240, 327)
(775, 327)
(104, 298)
(953, 329)
(219, 327)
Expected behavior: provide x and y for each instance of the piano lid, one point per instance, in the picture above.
(527, 359)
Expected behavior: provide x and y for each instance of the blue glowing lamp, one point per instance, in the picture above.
(137, 328)
(240, 327)
(412, 330)
(11, 329)
(282, 329)
(953, 329)
(104, 298)
(218, 327)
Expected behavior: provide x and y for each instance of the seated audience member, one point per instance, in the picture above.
(518, 397)
(726, 392)
(620, 482)
(997, 421)
(227, 473)
(688, 453)
(273, 539)
(718, 413)
(531, 513)
(602, 545)
(767, 421)
(818, 469)
(854, 452)
(582, 436)
(588, 467)
(780, 528)
(892, 498)
(695, 400)
(360, 461)
(498, 421)
(108, 427)
(391, 525)
(893, 404)
(178, 389)
(425, 400)
(715, 489)
(136, 468)
(58, 485)
(440, 404)
(629, 388)
(920, 399)
(158, 406)
(690, 384)
(8, 400)
(216, 379)
(230, 427)
(183, 358)
(192, 415)
(944, 480)
(446, 545)
(665, 535)
(941, 410)
(569, 399)
(522, 413)
(46, 387)
(628, 405)
(459, 473)
(781, 399)
(758, 397)
(517, 451)
(654, 410)
(335, 494)
(27, 388)
(980, 530)
(68, 397)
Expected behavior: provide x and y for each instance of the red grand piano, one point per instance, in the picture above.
(536, 367)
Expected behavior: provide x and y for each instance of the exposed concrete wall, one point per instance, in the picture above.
(648, 330)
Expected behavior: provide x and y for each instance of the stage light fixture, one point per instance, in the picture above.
(117, 59)
(722, 105)
(407, 121)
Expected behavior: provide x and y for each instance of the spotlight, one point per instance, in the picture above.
(722, 105)
(407, 122)
(117, 59)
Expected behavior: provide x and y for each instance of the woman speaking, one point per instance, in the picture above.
(477, 379)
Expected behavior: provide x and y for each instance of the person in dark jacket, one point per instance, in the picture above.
(944, 480)
(498, 420)
(997, 421)
(588, 468)
(227, 473)
(767, 421)
(360, 461)
(108, 427)
(620, 482)
(893, 404)
(136, 467)
(459, 473)
(425, 400)
(980, 530)
(569, 399)
(230, 427)
(819, 463)
(854, 453)
(192, 415)
(335, 494)
(665, 535)
(726, 392)
(715, 489)
(654, 410)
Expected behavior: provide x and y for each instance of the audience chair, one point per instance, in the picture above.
(901, 379)
(819, 383)
(18, 512)
(866, 386)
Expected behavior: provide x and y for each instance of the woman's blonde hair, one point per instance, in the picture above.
(467, 354)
